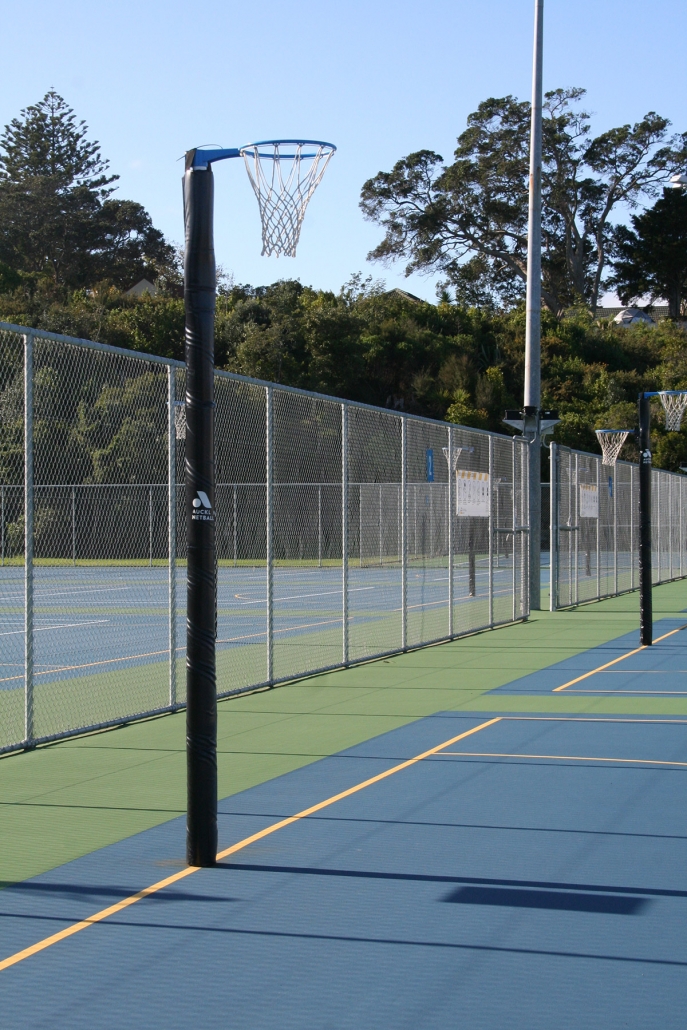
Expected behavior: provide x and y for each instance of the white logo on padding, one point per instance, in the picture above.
(202, 500)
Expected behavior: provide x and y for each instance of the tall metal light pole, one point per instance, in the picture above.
(532, 401)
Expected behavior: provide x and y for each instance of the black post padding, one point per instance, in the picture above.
(646, 620)
(201, 693)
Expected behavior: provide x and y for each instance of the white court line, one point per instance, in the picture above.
(644, 693)
(68, 625)
(297, 597)
(42, 594)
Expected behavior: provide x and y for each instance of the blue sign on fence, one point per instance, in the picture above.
(610, 486)
(430, 465)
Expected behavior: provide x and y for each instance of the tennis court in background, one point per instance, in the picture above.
(101, 641)
(130, 607)
(479, 869)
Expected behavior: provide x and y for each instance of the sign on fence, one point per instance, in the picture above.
(589, 501)
(430, 465)
(472, 493)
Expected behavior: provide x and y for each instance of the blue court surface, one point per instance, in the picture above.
(109, 619)
(620, 667)
(514, 872)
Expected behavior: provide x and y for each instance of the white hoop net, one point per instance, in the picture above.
(455, 455)
(284, 175)
(674, 403)
(611, 442)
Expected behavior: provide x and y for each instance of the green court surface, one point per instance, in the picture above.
(68, 799)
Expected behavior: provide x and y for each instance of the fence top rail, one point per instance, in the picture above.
(334, 483)
(22, 330)
(590, 454)
(43, 334)
(629, 464)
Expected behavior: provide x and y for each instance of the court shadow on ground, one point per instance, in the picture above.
(562, 901)
(582, 897)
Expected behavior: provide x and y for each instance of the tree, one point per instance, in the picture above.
(57, 217)
(652, 257)
(468, 220)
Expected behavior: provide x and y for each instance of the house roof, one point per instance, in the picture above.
(141, 287)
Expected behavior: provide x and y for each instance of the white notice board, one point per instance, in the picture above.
(472, 493)
(589, 501)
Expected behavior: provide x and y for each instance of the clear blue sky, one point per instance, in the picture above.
(378, 79)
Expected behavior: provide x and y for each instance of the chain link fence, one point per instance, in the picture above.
(344, 533)
(595, 527)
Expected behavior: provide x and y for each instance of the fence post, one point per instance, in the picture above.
(680, 500)
(670, 522)
(269, 527)
(513, 525)
(28, 540)
(659, 555)
(319, 525)
(150, 527)
(415, 520)
(172, 531)
(450, 530)
(553, 527)
(598, 528)
(526, 546)
(360, 520)
(2, 521)
(491, 531)
(344, 532)
(576, 532)
(235, 526)
(380, 523)
(404, 534)
(614, 480)
(73, 526)
(632, 527)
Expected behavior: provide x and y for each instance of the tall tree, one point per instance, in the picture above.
(57, 215)
(469, 219)
(652, 257)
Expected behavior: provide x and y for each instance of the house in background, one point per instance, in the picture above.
(141, 287)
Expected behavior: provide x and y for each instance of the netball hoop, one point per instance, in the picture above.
(284, 175)
(611, 442)
(455, 455)
(674, 403)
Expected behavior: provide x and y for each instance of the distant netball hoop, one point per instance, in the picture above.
(674, 403)
(611, 442)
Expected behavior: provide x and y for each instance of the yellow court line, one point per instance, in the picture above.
(616, 660)
(566, 758)
(98, 917)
